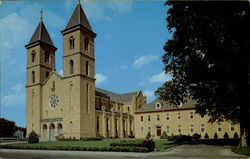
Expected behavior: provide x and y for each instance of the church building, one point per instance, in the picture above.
(70, 105)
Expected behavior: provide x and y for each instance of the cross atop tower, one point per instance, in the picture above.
(41, 12)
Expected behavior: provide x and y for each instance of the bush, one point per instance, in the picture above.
(150, 144)
(226, 135)
(164, 135)
(242, 150)
(99, 138)
(236, 135)
(33, 138)
(148, 135)
(180, 138)
(206, 136)
(196, 136)
(215, 136)
(220, 142)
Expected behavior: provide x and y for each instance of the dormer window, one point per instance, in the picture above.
(71, 43)
(86, 44)
(158, 105)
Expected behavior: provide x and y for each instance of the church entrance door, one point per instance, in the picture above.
(52, 132)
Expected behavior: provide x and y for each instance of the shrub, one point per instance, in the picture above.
(99, 138)
(148, 135)
(236, 135)
(206, 136)
(215, 136)
(196, 136)
(164, 135)
(226, 135)
(33, 138)
(242, 150)
(150, 144)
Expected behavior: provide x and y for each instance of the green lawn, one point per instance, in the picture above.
(79, 145)
(242, 150)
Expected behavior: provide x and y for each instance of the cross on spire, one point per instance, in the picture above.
(41, 12)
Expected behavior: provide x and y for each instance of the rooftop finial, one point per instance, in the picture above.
(41, 12)
(79, 1)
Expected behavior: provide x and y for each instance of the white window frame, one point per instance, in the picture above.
(191, 115)
(203, 126)
(142, 130)
(158, 115)
(167, 117)
(232, 126)
(179, 128)
(168, 129)
(219, 126)
(178, 116)
(191, 127)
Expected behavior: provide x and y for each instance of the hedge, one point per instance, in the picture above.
(222, 141)
(75, 148)
(135, 143)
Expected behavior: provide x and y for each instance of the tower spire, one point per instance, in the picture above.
(41, 12)
(79, 1)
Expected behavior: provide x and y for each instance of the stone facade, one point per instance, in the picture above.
(159, 116)
(71, 105)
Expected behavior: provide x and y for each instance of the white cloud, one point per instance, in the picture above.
(15, 96)
(160, 78)
(100, 78)
(61, 72)
(150, 95)
(144, 60)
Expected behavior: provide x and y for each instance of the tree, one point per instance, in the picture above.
(6, 128)
(208, 59)
(148, 135)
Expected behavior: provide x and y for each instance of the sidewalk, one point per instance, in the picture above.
(9, 143)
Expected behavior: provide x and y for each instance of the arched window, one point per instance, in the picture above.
(33, 55)
(71, 63)
(71, 43)
(86, 44)
(87, 67)
(33, 77)
(46, 57)
(59, 128)
(47, 74)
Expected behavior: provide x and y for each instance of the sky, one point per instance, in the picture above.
(128, 46)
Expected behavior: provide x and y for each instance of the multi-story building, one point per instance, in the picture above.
(159, 116)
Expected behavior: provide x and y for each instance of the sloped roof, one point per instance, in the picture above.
(122, 98)
(150, 107)
(78, 18)
(41, 34)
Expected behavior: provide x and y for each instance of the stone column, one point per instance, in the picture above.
(104, 122)
(121, 125)
(113, 123)
(129, 126)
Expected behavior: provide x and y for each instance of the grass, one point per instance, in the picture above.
(242, 150)
(88, 145)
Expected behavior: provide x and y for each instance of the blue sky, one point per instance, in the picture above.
(128, 46)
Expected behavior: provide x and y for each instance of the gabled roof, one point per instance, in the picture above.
(165, 106)
(122, 98)
(41, 34)
(78, 18)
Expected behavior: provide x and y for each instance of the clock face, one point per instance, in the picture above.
(54, 100)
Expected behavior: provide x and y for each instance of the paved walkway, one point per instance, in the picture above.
(180, 152)
(15, 142)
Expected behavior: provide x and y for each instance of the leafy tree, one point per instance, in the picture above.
(148, 135)
(208, 59)
(164, 135)
(7, 128)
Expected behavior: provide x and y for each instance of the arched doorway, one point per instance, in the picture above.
(45, 130)
(59, 128)
(52, 132)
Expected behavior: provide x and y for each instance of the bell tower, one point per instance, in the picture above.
(79, 72)
(40, 63)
